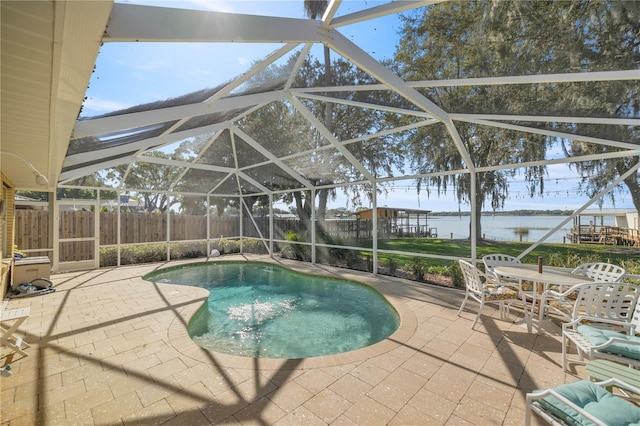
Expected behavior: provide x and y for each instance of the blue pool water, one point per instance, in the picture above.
(266, 311)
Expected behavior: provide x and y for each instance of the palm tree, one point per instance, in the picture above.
(314, 9)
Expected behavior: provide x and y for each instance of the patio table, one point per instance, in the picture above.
(549, 276)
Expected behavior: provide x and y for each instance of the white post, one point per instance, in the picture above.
(374, 228)
(208, 216)
(271, 225)
(168, 230)
(313, 226)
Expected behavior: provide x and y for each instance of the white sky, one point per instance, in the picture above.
(129, 74)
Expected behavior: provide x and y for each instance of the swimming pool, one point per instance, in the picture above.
(266, 311)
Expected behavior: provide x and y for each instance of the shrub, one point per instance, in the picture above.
(226, 246)
(392, 265)
(188, 250)
(253, 246)
(295, 251)
(456, 275)
(417, 268)
(439, 270)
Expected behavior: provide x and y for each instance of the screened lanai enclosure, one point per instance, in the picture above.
(204, 124)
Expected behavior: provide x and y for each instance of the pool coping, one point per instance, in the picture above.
(182, 342)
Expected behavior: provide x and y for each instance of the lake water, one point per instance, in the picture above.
(503, 228)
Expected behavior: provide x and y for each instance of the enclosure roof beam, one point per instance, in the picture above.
(134, 148)
(252, 71)
(141, 145)
(380, 11)
(576, 212)
(136, 23)
(320, 127)
(202, 166)
(134, 120)
(554, 134)
(623, 75)
(563, 160)
(258, 147)
(359, 57)
(365, 105)
(548, 119)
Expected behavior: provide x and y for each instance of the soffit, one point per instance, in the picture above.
(47, 56)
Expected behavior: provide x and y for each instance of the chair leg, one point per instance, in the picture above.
(564, 352)
(528, 318)
(475, 321)
(541, 313)
(464, 301)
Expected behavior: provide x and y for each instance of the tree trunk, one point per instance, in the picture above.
(634, 190)
(321, 216)
(479, 197)
(303, 210)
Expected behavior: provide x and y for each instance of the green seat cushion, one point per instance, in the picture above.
(593, 399)
(598, 336)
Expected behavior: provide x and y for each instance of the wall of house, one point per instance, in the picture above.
(7, 233)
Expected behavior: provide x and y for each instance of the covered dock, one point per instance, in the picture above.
(401, 222)
(589, 228)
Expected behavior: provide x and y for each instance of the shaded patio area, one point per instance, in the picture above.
(110, 348)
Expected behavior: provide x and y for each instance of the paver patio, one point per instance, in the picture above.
(109, 348)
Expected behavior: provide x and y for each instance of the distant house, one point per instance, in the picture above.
(285, 216)
(28, 203)
(126, 202)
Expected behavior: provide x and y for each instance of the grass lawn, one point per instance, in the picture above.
(564, 255)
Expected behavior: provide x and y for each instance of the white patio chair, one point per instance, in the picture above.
(601, 272)
(606, 318)
(10, 320)
(584, 403)
(525, 288)
(562, 302)
(497, 259)
(483, 289)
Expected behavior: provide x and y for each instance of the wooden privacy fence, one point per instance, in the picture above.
(32, 229)
(145, 228)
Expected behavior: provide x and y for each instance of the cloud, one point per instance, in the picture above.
(145, 66)
(97, 106)
(199, 73)
(215, 6)
(242, 60)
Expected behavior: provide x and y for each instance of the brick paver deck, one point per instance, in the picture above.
(109, 348)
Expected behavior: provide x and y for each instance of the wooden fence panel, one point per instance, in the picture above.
(225, 227)
(32, 229)
(186, 227)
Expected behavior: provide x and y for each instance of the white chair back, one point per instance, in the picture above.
(496, 259)
(472, 279)
(635, 319)
(616, 301)
(601, 272)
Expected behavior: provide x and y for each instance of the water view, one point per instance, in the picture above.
(506, 228)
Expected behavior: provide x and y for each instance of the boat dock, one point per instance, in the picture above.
(619, 234)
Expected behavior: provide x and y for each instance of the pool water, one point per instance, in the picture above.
(266, 311)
